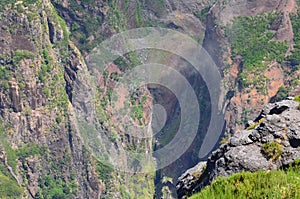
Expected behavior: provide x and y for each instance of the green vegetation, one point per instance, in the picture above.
(44, 71)
(141, 185)
(106, 175)
(225, 138)
(137, 112)
(105, 171)
(90, 23)
(51, 188)
(137, 105)
(10, 153)
(85, 23)
(202, 14)
(9, 188)
(274, 184)
(272, 150)
(138, 15)
(295, 57)
(115, 17)
(297, 98)
(157, 6)
(128, 61)
(30, 149)
(283, 93)
(124, 193)
(11, 156)
(251, 37)
(22, 54)
(255, 124)
(5, 74)
(3, 3)
(63, 25)
(26, 2)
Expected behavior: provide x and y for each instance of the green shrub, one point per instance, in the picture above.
(46, 57)
(51, 188)
(261, 184)
(22, 54)
(47, 92)
(225, 139)
(272, 150)
(4, 73)
(30, 149)
(137, 112)
(297, 98)
(58, 119)
(104, 171)
(22, 85)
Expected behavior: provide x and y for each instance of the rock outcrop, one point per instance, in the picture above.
(271, 142)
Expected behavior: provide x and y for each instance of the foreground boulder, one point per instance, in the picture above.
(272, 141)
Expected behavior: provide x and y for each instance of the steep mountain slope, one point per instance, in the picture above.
(40, 148)
(45, 83)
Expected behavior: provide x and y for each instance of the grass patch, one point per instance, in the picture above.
(274, 184)
(9, 188)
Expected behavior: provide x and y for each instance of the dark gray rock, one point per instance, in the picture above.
(254, 135)
(242, 138)
(188, 180)
(279, 122)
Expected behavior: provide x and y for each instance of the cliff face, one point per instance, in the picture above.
(45, 82)
(41, 149)
(270, 143)
(250, 86)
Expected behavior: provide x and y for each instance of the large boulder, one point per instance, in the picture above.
(270, 143)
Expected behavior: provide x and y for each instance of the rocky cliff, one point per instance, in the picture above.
(270, 143)
(40, 147)
(45, 82)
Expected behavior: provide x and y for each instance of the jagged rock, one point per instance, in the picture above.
(55, 34)
(187, 180)
(279, 122)
(15, 96)
(33, 175)
(242, 138)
